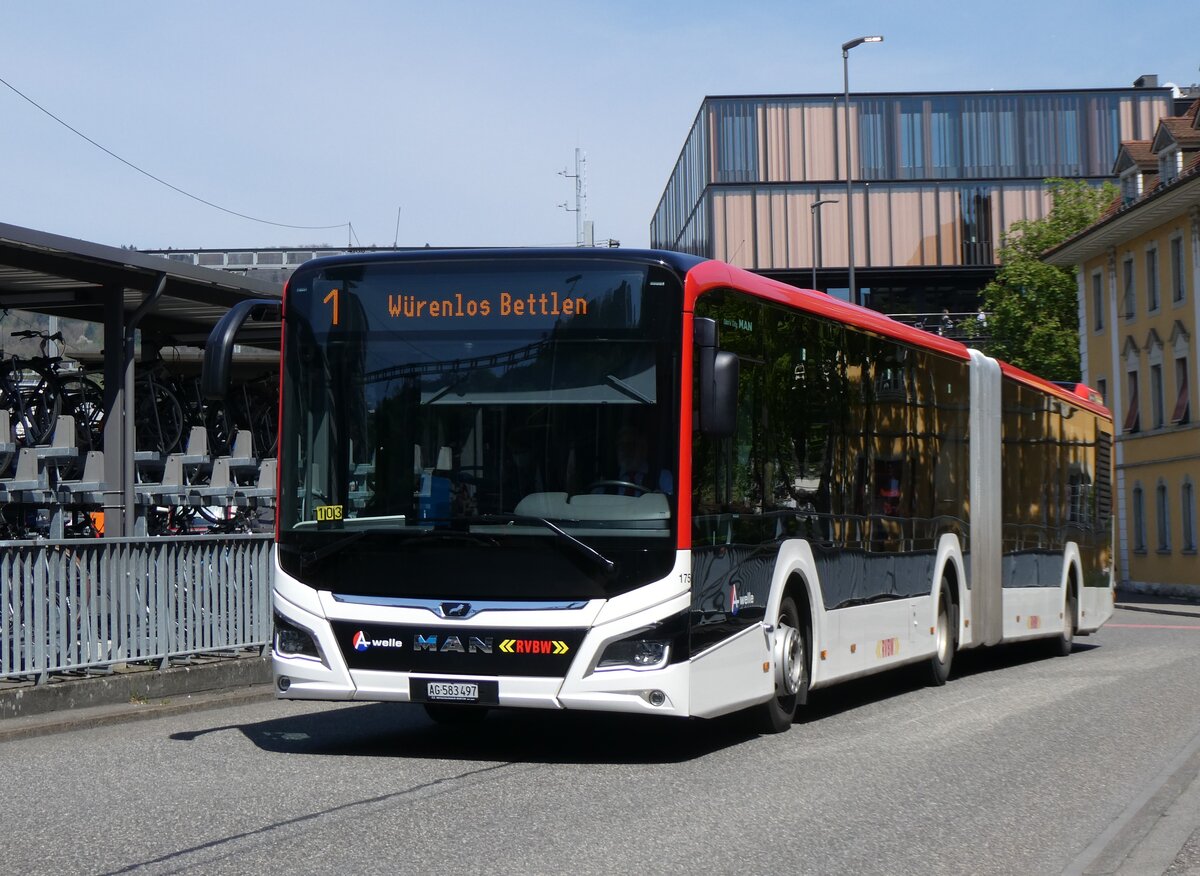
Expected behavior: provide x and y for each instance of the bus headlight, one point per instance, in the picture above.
(294, 641)
(636, 654)
(650, 647)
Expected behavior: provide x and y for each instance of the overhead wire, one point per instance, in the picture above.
(159, 180)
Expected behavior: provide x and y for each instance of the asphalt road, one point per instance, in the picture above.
(1021, 764)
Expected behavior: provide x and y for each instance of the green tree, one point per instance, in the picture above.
(1032, 308)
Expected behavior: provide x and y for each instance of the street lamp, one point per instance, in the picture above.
(815, 210)
(846, 47)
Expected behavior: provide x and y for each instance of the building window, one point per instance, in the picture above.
(1156, 397)
(1130, 294)
(976, 206)
(736, 141)
(1139, 520)
(1102, 388)
(1181, 414)
(1187, 515)
(1169, 164)
(912, 139)
(1131, 186)
(1098, 301)
(945, 138)
(1133, 412)
(1162, 513)
(1152, 279)
(1178, 281)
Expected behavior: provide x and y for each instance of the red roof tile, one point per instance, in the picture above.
(1139, 153)
(1181, 129)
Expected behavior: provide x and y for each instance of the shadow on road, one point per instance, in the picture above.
(525, 736)
(907, 679)
(516, 735)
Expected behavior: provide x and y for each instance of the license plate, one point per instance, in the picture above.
(423, 690)
(452, 690)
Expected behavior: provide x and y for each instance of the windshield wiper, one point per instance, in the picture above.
(584, 549)
(308, 558)
(621, 386)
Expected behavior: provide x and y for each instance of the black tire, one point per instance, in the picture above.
(777, 714)
(945, 633)
(455, 716)
(83, 399)
(34, 415)
(157, 418)
(1064, 642)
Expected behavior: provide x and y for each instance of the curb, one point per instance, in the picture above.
(135, 688)
(122, 713)
(1149, 610)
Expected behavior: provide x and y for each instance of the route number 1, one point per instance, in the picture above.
(332, 296)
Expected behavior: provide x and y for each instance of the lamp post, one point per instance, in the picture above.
(846, 47)
(815, 210)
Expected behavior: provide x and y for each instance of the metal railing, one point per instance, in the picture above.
(83, 604)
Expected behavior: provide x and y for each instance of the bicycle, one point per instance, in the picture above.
(160, 419)
(34, 407)
(253, 405)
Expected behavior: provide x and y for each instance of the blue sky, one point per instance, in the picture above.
(462, 114)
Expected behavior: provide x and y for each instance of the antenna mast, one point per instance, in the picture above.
(580, 209)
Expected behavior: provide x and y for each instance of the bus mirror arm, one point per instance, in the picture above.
(218, 353)
(718, 382)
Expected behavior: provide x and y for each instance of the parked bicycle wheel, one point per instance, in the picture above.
(249, 407)
(83, 399)
(33, 411)
(157, 418)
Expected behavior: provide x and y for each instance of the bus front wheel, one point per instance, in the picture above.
(791, 671)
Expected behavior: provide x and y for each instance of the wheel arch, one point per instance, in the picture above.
(1072, 580)
(950, 566)
(796, 574)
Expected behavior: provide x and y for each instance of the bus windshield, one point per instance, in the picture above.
(507, 410)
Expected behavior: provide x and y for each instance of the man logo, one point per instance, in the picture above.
(456, 609)
(360, 642)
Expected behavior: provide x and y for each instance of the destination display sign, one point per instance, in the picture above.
(390, 299)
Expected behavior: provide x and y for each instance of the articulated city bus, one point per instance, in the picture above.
(645, 482)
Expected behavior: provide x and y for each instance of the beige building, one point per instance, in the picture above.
(937, 177)
(1139, 275)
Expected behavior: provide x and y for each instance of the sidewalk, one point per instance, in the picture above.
(1162, 833)
(131, 693)
(1132, 601)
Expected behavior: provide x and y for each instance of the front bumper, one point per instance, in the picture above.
(362, 669)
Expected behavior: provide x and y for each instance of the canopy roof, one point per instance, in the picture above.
(62, 276)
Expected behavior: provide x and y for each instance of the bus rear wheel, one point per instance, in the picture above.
(791, 671)
(945, 632)
(1065, 641)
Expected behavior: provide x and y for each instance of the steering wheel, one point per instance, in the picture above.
(619, 485)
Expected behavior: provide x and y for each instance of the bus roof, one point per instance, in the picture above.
(681, 262)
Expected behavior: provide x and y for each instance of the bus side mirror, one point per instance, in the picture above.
(718, 382)
(218, 352)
